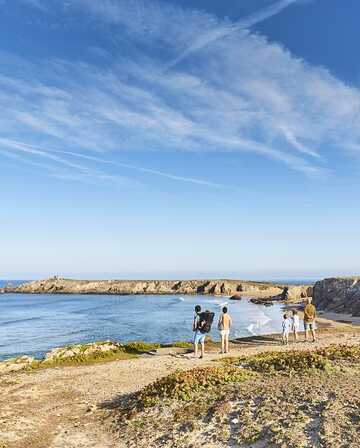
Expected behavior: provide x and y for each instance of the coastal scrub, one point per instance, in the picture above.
(286, 399)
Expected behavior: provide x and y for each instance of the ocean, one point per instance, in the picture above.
(33, 324)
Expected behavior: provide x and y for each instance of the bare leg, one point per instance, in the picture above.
(227, 344)
(313, 335)
(202, 349)
(223, 343)
(295, 336)
(306, 335)
(195, 349)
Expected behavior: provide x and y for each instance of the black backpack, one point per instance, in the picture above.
(205, 321)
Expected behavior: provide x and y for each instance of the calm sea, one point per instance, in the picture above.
(33, 324)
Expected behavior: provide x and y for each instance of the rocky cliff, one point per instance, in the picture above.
(341, 295)
(57, 285)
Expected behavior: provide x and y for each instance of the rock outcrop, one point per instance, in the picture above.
(341, 295)
(57, 285)
(16, 364)
(82, 350)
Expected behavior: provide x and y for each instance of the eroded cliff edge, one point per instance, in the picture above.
(340, 294)
(57, 285)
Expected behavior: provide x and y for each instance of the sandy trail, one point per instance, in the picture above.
(69, 407)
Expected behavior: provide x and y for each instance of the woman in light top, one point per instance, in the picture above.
(224, 326)
(295, 320)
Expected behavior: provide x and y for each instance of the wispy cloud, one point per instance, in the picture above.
(78, 172)
(87, 173)
(211, 36)
(240, 93)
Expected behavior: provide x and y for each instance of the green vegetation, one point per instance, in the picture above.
(297, 361)
(75, 355)
(140, 347)
(186, 385)
(292, 399)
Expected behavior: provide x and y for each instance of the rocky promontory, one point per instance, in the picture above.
(341, 295)
(56, 285)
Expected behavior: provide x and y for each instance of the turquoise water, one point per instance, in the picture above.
(33, 324)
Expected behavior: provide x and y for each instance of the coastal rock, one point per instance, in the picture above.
(56, 285)
(16, 364)
(236, 297)
(84, 350)
(341, 295)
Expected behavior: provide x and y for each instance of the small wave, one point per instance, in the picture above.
(220, 305)
(17, 321)
(250, 329)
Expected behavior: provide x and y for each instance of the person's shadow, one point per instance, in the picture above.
(256, 341)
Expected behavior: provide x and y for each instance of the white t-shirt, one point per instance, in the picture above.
(286, 326)
(295, 322)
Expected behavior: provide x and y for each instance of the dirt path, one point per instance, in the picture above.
(67, 407)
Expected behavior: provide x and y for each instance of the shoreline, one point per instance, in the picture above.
(325, 321)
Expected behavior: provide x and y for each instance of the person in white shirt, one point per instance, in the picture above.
(295, 320)
(286, 327)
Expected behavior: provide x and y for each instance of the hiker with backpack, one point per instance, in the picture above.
(201, 326)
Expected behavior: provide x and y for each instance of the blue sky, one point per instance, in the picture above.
(184, 138)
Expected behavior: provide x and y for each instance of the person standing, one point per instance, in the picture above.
(286, 328)
(309, 319)
(224, 326)
(295, 324)
(198, 336)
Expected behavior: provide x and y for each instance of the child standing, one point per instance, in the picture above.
(286, 327)
(295, 324)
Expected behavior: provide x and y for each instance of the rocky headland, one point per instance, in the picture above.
(340, 295)
(56, 285)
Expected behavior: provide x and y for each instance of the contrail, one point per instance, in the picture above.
(246, 23)
(49, 153)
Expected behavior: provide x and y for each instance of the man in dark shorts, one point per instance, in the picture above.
(198, 336)
(309, 319)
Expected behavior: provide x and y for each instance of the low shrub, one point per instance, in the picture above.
(297, 360)
(140, 347)
(185, 385)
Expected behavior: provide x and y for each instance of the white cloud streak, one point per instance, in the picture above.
(206, 39)
(85, 171)
(239, 94)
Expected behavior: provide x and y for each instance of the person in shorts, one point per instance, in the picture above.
(199, 338)
(224, 326)
(295, 320)
(309, 320)
(286, 329)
